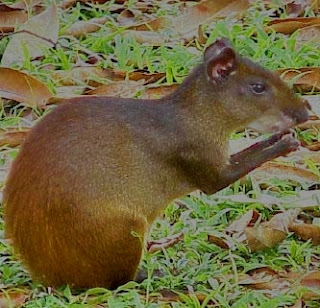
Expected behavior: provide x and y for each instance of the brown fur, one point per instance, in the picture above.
(95, 173)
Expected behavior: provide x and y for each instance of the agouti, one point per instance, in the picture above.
(95, 173)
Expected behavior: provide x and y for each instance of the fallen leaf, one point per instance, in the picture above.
(312, 281)
(308, 35)
(23, 88)
(11, 20)
(306, 232)
(305, 78)
(126, 18)
(118, 89)
(153, 25)
(289, 25)
(270, 233)
(222, 243)
(310, 124)
(281, 171)
(264, 280)
(65, 4)
(13, 138)
(25, 4)
(263, 237)
(188, 22)
(158, 92)
(81, 75)
(164, 243)
(150, 37)
(239, 225)
(44, 28)
(299, 304)
(12, 299)
(81, 28)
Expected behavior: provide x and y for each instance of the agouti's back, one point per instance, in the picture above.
(94, 174)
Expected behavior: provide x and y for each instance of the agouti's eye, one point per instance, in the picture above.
(258, 88)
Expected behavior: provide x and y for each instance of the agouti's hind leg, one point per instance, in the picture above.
(102, 252)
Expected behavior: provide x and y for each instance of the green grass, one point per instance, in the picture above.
(194, 261)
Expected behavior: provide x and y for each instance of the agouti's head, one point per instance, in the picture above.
(251, 95)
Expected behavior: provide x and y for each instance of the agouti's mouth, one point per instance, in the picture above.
(280, 121)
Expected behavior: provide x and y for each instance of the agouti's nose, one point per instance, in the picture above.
(300, 114)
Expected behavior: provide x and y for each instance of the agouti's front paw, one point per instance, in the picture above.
(288, 143)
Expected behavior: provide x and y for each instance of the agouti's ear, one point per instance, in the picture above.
(220, 60)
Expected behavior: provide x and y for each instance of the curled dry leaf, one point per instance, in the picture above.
(263, 237)
(171, 296)
(158, 92)
(65, 4)
(23, 88)
(314, 146)
(150, 37)
(309, 35)
(164, 243)
(268, 234)
(13, 138)
(81, 28)
(279, 170)
(219, 241)
(11, 20)
(239, 225)
(306, 232)
(153, 25)
(81, 75)
(25, 4)
(92, 74)
(315, 124)
(305, 78)
(264, 279)
(44, 28)
(289, 25)
(312, 281)
(126, 18)
(12, 299)
(299, 304)
(187, 23)
(118, 89)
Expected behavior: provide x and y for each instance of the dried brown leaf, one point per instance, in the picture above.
(23, 88)
(126, 18)
(118, 89)
(150, 37)
(222, 243)
(289, 25)
(80, 75)
(239, 225)
(308, 35)
(263, 237)
(306, 232)
(164, 243)
(158, 92)
(81, 28)
(268, 234)
(153, 25)
(279, 170)
(11, 20)
(305, 78)
(12, 299)
(188, 22)
(44, 28)
(13, 138)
